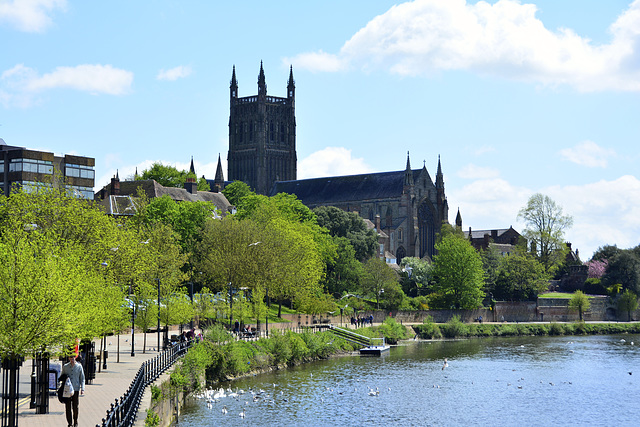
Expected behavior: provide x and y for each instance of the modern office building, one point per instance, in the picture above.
(31, 169)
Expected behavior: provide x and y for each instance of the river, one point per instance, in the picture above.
(546, 381)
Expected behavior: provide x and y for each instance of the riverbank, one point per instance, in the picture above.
(458, 329)
(219, 359)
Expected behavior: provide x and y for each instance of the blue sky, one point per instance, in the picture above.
(516, 98)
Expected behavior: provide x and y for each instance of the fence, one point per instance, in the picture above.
(123, 412)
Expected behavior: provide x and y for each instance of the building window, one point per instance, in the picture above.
(79, 171)
(31, 165)
(399, 234)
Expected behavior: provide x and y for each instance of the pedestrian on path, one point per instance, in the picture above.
(76, 374)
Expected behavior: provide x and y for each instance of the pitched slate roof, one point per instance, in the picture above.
(479, 234)
(152, 189)
(342, 189)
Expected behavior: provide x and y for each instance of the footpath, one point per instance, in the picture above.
(108, 385)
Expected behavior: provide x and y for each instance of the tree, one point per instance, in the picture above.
(597, 268)
(579, 301)
(344, 272)
(458, 274)
(169, 176)
(416, 277)
(520, 278)
(236, 192)
(545, 225)
(628, 302)
(350, 225)
(377, 277)
(623, 268)
(52, 280)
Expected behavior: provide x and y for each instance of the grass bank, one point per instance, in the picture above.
(457, 329)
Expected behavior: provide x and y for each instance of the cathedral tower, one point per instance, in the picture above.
(262, 136)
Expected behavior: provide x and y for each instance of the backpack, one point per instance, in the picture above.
(63, 380)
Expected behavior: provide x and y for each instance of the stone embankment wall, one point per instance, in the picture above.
(542, 310)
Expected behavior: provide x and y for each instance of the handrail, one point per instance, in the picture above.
(123, 412)
(350, 336)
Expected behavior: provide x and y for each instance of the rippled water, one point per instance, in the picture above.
(543, 381)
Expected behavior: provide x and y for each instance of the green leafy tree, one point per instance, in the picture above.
(416, 277)
(520, 278)
(378, 276)
(579, 301)
(53, 283)
(628, 302)
(350, 225)
(623, 268)
(170, 176)
(236, 192)
(458, 274)
(545, 225)
(344, 272)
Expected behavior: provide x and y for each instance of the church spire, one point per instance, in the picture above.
(459, 220)
(262, 83)
(191, 168)
(218, 182)
(439, 178)
(219, 174)
(233, 88)
(408, 174)
(291, 85)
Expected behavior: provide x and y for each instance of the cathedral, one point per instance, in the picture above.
(406, 206)
(262, 136)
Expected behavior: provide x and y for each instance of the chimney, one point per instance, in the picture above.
(494, 234)
(191, 185)
(485, 241)
(115, 185)
(378, 223)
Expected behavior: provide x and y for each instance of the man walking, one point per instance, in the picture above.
(76, 374)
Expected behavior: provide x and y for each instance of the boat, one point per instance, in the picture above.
(375, 349)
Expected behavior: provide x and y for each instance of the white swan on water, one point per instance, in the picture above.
(445, 364)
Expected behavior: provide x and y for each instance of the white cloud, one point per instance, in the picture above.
(504, 39)
(588, 153)
(29, 15)
(21, 83)
(317, 61)
(472, 171)
(331, 161)
(175, 73)
(604, 212)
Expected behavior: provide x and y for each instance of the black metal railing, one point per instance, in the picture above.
(125, 409)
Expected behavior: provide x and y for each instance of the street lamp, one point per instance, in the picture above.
(133, 319)
(158, 315)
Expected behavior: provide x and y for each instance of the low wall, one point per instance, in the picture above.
(542, 310)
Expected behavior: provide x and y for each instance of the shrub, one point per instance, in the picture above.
(556, 329)
(392, 331)
(152, 419)
(455, 328)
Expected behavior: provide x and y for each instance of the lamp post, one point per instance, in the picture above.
(230, 306)
(133, 319)
(158, 315)
(267, 317)
(191, 323)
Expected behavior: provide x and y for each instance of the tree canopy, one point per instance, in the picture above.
(545, 225)
(350, 225)
(458, 274)
(170, 176)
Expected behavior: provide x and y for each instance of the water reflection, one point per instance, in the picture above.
(492, 381)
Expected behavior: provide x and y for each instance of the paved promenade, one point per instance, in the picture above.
(109, 384)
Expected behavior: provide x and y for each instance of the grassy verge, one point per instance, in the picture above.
(457, 329)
